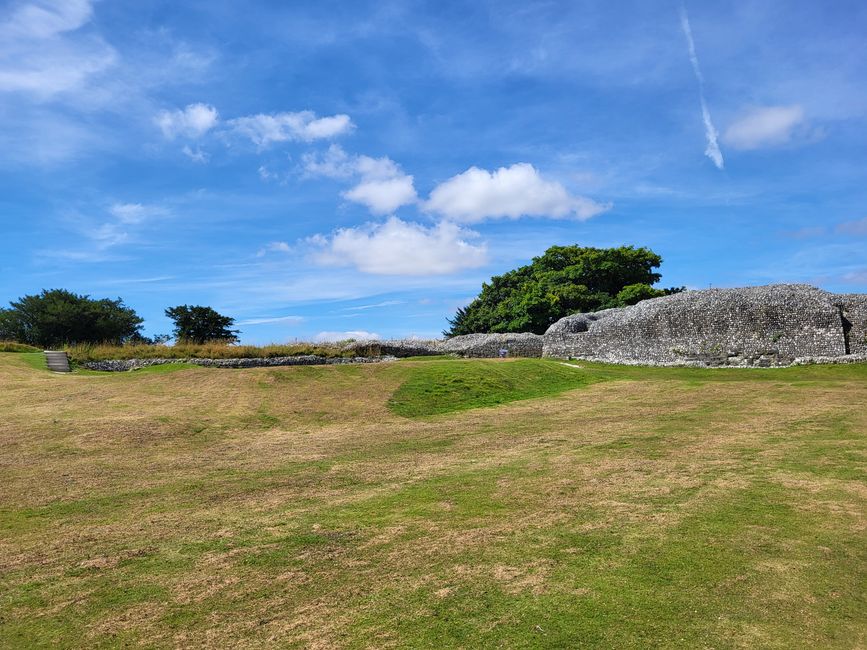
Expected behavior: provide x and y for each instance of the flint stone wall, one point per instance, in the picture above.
(754, 326)
(119, 365)
(854, 309)
(399, 348)
(489, 345)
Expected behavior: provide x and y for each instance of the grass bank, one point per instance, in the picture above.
(82, 353)
(292, 507)
(443, 386)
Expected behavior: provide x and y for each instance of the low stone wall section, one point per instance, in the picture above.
(119, 365)
(399, 348)
(489, 345)
(753, 326)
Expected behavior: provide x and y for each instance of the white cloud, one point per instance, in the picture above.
(711, 135)
(196, 155)
(47, 18)
(133, 213)
(274, 247)
(191, 122)
(109, 234)
(125, 223)
(357, 335)
(272, 319)
(334, 163)
(400, 248)
(765, 126)
(264, 130)
(384, 303)
(41, 55)
(508, 192)
(383, 196)
(383, 186)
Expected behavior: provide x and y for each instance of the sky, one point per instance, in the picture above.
(358, 169)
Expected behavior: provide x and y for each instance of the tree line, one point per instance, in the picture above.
(56, 317)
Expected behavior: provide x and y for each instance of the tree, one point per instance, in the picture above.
(195, 324)
(564, 280)
(56, 317)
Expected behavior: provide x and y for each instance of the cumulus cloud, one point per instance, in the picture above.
(508, 192)
(191, 122)
(263, 130)
(356, 335)
(383, 187)
(400, 248)
(41, 54)
(711, 135)
(765, 126)
(385, 195)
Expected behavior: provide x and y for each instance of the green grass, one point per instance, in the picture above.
(35, 360)
(292, 507)
(444, 386)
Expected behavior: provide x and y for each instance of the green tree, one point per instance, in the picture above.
(56, 317)
(564, 280)
(196, 324)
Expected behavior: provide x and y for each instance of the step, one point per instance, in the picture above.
(57, 361)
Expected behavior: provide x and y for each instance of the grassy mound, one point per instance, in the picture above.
(444, 386)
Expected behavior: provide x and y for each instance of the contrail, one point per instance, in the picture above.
(713, 152)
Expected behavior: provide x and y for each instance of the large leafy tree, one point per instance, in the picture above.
(56, 317)
(196, 324)
(564, 280)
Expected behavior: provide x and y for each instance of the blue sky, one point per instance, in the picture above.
(313, 169)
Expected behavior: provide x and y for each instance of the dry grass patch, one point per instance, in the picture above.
(293, 507)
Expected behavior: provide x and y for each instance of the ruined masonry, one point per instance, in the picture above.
(775, 325)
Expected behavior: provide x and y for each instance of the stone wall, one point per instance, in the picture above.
(854, 310)
(754, 326)
(400, 348)
(119, 365)
(489, 345)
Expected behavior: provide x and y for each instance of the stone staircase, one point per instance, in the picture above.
(57, 361)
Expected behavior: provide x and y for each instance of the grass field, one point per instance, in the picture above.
(428, 504)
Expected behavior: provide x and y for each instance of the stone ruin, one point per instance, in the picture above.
(775, 325)
(489, 345)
